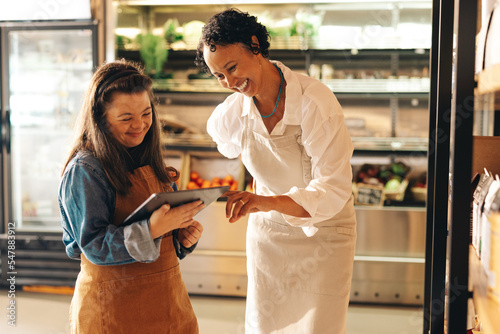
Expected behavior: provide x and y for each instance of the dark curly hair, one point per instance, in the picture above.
(229, 27)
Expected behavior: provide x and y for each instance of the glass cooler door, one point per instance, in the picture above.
(49, 67)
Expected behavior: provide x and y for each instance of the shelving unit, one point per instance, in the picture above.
(486, 154)
(380, 78)
(455, 268)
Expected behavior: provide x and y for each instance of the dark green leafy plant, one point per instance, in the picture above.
(153, 53)
(171, 28)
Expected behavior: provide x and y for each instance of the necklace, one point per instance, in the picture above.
(279, 94)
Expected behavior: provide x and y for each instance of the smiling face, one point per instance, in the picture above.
(235, 67)
(129, 117)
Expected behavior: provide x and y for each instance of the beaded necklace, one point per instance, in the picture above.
(279, 94)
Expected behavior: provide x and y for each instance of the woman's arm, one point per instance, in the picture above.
(241, 203)
(87, 204)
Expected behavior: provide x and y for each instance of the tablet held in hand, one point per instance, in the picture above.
(175, 198)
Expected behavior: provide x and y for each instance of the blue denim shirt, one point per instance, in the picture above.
(87, 202)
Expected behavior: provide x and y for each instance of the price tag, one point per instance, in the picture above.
(369, 194)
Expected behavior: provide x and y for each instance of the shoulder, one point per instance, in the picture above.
(230, 107)
(84, 175)
(84, 162)
(309, 97)
(320, 95)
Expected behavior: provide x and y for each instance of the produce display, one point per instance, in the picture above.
(392, 179)
(196, 182)
(390, 176)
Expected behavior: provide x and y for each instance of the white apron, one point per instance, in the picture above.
(296, 284)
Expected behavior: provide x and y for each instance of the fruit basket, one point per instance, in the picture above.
(205, 170)
(373, 184)
(419, 188)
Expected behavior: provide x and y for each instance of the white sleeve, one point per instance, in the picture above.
(328, 143)
(225, 126)
(139, 243)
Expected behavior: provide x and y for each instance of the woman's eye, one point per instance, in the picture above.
(232, 68)
(147, 113)
(126, 119)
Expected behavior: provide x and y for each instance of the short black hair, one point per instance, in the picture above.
(229, 27)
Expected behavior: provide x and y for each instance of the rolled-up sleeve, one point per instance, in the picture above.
(139, 243)
(327, 141)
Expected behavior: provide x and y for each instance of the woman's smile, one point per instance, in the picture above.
(135, 134)
(242, 87)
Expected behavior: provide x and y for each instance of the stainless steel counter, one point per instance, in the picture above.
(388, 268)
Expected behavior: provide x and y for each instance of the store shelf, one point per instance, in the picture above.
(390, 208)
(487, 308)
(189, 85)
(389, 144)
(392, 86)
(488, 81)
(378, 72)
(351, 3)
(411, 85)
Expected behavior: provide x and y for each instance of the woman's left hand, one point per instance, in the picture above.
(190, 235)
(241, 203)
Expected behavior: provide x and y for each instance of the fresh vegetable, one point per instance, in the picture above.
(153, 52)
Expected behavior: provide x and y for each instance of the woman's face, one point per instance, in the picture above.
(129, 117)
(235, 67)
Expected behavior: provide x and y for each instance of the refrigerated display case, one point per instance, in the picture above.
(375, 58)
(45, 71)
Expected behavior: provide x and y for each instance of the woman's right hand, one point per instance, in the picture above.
(166, 219)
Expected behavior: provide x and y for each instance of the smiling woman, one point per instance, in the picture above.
(130, 279)
(290, 133)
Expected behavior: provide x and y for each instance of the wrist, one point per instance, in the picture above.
(153, 230)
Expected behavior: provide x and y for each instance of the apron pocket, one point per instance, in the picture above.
(345, 230)
(154, 303)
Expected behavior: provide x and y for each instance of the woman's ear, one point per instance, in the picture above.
(255, 41)
(255, 45)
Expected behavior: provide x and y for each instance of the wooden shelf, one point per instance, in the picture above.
(486, 307)
(488, 81)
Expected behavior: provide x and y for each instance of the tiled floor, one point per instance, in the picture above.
(39, 313)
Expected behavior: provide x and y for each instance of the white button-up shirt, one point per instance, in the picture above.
(313, 106)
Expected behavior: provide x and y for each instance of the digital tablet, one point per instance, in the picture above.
(175, 198)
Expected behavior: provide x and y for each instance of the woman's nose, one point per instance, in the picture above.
(230, 81)
(136, 123)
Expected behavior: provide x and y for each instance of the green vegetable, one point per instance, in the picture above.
(399, 168)
(393, 184)
(172, 33)
(153, 53)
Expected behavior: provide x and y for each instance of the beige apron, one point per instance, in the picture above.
(136, 297)
(296, 284)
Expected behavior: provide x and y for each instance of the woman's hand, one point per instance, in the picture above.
(166, 219)
(190, 235)
(241, 203)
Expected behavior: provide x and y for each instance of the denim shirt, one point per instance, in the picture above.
(87, 203)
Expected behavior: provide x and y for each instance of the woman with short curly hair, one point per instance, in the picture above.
(290, 133)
